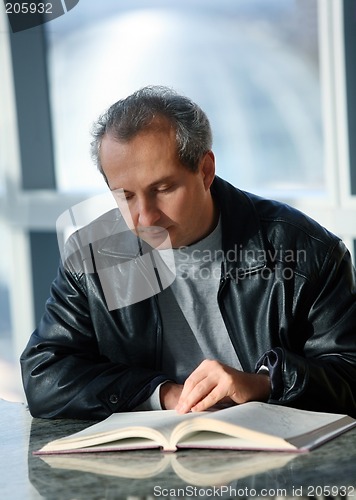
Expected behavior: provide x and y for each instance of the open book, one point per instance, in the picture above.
(250, 426)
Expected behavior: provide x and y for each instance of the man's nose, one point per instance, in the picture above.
(148, 213)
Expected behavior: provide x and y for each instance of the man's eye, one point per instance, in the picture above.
(124, 197)
(165, 189)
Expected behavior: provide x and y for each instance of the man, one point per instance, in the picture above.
(262, 306)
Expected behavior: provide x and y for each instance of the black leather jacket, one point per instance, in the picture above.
(287, 296)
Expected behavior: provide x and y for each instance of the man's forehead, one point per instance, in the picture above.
(157, 139)
(132, 164)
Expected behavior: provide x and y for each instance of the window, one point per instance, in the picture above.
(252, 65)
(10, 385)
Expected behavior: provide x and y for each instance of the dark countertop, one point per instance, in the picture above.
(327, 471)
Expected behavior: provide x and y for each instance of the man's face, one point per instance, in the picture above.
(156, 193)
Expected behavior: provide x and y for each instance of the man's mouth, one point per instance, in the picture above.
(152, 230)
(155, 236)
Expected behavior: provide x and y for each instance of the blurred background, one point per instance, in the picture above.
(277, 79)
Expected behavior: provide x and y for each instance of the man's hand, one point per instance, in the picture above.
(213, 382)
(169, 395)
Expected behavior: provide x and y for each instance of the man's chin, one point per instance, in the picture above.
(156, 237)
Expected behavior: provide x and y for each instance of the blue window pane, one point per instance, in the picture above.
(252, 65)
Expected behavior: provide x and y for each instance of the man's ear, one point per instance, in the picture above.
(208, 169)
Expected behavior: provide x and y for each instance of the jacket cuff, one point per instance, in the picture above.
(273, 361)
(146, 393)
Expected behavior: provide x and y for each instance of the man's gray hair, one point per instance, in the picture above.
(137, 112)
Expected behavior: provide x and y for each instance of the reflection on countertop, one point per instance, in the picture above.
(149, 474)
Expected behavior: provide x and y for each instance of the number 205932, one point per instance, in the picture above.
(28, 8)
(333, 491)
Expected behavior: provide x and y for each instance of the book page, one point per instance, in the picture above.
(223, 441)
(154, 425)
(268, 425)
(274, 420)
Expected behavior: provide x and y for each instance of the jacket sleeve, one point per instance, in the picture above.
(323, 377)
(64, 374)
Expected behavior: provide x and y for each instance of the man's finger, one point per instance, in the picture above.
(194, 392)
(210, 400)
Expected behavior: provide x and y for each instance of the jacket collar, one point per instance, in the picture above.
(111, 237)
(242, 238)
